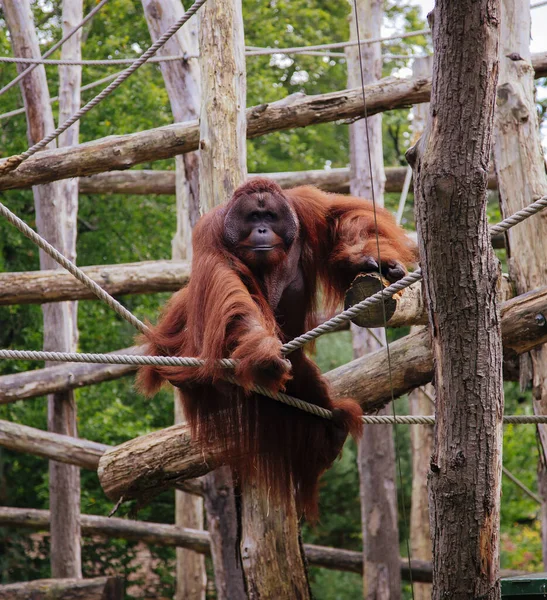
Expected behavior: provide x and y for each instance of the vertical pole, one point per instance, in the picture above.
(461, 279)
(55, 221)
(376, 452)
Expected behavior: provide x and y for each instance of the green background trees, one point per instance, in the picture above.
(121, 228)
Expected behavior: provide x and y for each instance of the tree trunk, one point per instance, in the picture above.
(376, 450)
(56, 221)
(461, 278)
(182, 84)
(521, 168)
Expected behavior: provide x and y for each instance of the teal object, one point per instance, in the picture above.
(533, 586)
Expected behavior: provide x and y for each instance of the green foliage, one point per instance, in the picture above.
(121, 228)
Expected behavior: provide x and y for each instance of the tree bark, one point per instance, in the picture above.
(99, 588)
(147, 277)
(56, 208)
(461, 278)
(64, 480)
(149, 182)
(183, 87)
(121, 152)
(520, 165)
(376, 450)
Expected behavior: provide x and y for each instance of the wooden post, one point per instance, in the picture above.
(461, 278)
(267, 536)
(376, 451)
(521, 168)
(182, 84)
(56, 221)
(421, 438)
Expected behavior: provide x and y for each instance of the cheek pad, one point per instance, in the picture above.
(232, 227)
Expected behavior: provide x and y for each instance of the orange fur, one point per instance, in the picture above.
(224, 311)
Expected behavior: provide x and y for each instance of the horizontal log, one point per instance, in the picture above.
(54, 446)
(122, 152)
(142, 467)
(145, 277)
(161, 534)
(98, 588)
(68, 376)
(163, 182)
(149, 182)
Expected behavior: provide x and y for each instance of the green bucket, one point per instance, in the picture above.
(533, 586)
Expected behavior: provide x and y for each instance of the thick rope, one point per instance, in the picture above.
(348, 314)
(72, 268)
(14, 161)
(53, 48)
(519, 216)
(110, 359)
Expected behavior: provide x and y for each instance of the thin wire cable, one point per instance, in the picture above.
(389, 365)
(299, 49)
(14, 161)
(252, 51)
(92, 62)
(28, 70)
(71, 268)
(89, 86)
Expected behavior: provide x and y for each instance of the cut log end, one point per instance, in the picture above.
(364, 286)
